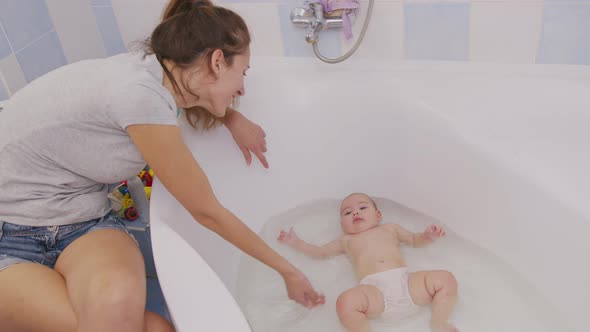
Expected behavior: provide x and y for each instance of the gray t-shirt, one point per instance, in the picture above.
(63, 137)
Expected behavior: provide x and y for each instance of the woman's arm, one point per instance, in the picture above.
(164, 150)
(248, 136)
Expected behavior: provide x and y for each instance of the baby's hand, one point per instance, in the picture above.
(289, 237)
(433, 232)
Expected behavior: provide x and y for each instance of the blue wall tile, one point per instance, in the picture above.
(293, 37)
(24, 21)
(109, 30)
(4, 46)
(566, 34)
(3, 93)
(41, 57)
(100, 2)
(437, 31)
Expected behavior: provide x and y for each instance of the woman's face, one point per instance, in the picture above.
(217, 85)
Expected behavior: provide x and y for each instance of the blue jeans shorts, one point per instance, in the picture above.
(43, 245)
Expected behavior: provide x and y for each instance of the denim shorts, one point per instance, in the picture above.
(43, 245)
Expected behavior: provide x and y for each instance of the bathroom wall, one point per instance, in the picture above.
(37, 36)
(514, 31)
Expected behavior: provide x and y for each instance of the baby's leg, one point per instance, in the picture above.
(438, 288)
(356, 305)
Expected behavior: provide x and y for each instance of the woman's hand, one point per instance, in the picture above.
(300, 290)
(248, 136)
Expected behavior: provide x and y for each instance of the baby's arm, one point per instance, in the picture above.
(429, 235)
(326, 251)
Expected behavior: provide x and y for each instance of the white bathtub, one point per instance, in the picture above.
(498, 153)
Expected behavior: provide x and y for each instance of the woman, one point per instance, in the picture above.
(66, 262)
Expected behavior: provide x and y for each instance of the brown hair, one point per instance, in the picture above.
(190, 31)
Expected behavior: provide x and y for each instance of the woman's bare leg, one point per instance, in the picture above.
(34, 297)
(105, 278)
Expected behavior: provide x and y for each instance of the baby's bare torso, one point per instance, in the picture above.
(374, 250)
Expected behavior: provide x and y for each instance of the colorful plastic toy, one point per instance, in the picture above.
(122, 203)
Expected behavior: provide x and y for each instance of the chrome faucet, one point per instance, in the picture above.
(311, 16)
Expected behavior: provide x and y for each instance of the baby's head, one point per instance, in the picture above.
(358, 212)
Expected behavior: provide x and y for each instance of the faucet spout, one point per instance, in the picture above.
(312, 17)
(317, 24)
(302, 17)
(313, 32)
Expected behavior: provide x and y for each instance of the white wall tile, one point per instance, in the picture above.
(385, 36)
(76, 28)
(505, 31)
(137, 18)
(264, 24)
(12, 74)
(262, 20)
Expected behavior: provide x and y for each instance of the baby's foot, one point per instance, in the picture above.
(443, 327)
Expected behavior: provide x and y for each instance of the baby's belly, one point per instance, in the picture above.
(364, 268)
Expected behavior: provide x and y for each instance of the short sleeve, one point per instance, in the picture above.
(139, 103)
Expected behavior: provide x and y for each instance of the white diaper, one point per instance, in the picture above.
(393, 284)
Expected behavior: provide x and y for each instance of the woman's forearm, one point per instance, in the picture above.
(229, 113)
(232, 229)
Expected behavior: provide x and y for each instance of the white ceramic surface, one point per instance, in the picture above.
(497, 152)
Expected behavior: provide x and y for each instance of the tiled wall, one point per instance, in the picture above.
(513, 31)
(37, 36)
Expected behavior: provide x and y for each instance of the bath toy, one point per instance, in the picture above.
(122, 203)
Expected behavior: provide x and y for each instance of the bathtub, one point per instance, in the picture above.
(499, 153)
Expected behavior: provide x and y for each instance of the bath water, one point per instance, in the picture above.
(492, 295)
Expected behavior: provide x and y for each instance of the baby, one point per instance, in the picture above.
(386, 288)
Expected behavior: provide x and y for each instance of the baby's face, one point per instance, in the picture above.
(357, 213)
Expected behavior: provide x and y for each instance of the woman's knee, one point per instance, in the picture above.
(114, 290)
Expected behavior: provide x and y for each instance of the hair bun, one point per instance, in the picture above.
(202, 3)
